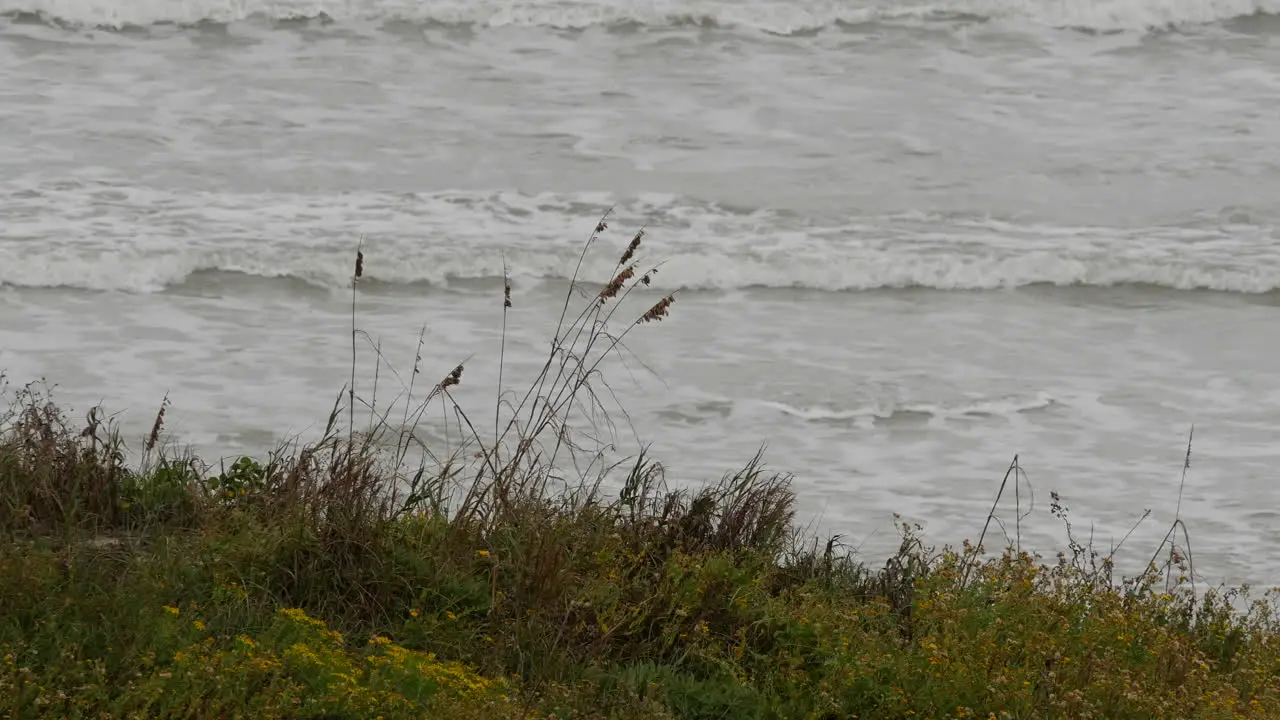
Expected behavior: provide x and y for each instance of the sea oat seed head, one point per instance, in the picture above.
(658, 311)
(156, 427)
(453, 378)
(615, 285)
(631, 248)
(601, 227)
(359, 264)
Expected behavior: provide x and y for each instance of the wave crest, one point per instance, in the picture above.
(774, 16)
(709, 270)
(56, 236)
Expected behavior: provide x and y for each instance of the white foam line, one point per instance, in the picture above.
(776, 16)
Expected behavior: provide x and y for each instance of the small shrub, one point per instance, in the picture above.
(243, 477)
(167, 495)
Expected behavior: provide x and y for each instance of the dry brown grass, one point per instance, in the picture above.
(55, 479)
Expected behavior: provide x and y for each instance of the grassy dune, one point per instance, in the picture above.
(364, 575)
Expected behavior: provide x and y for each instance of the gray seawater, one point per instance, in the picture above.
(910, 240)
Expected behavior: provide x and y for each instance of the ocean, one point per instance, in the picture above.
(907, 240)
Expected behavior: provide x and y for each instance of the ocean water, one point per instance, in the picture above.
(910, 240)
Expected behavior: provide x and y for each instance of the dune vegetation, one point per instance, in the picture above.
(366, 575)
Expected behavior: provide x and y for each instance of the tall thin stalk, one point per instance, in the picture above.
(351, 389)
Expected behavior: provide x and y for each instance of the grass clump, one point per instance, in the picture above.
(524, 575)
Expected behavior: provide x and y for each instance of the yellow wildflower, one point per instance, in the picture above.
(171, 610)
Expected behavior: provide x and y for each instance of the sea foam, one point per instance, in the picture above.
(775, 16)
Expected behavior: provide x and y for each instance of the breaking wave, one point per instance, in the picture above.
(707, 270)
(56, 236)
(774, 16)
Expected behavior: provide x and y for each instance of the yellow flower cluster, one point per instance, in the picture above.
(299, 663)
